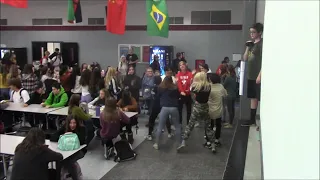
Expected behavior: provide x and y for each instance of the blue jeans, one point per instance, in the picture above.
(163, 117)
(4, 93)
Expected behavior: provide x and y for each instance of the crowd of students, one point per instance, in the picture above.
(207, 96)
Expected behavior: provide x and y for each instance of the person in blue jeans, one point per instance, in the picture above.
(169, 103)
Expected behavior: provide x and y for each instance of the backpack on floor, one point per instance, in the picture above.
(124, 151)
(69, 142)
(66, 176)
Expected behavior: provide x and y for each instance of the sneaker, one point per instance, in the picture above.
(217, 143)
(107, 152)
(148, 137)
(207, 145)
(155, 146)
(196, 124)
(173, 128)
(170, 135)
(247, 123)
(213, 149)
(162, 130)
(228, 126)
(182, 145)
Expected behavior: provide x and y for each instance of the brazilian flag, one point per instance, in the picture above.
(157, 18)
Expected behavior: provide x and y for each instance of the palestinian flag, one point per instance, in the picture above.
(74, 11)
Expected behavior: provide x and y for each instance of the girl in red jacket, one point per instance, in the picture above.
(184, 80)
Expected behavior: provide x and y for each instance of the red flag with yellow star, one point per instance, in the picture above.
(116, 16)
(16, 3)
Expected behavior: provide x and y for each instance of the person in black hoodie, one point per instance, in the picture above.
(169, 103)
(38, 97)
(72, 125)
(155, 65)
(155, 109)
(133, 83)
(32, 156)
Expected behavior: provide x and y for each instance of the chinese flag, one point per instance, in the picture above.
(16, 3)
(116, 16)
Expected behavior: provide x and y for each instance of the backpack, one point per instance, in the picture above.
(22, 89)
(65, 173)
(68, 142)
(124, 151)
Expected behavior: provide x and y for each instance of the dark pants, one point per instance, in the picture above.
(230, 106)
(69, 164)
(152, 118)
(128, 128)
(218, 125)
(90, 130)
(187, 100)
(35, 119)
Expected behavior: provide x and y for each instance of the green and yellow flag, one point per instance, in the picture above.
(157, 18)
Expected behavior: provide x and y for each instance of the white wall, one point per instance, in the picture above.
(136, 11)
(260, 11)
(289, 103)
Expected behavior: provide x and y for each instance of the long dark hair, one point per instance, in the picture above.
(231, 71)
(111, 112)
(74, 101)
(75, 72)
(28, 69)
(85, 78)
(35, 139)
(63, 69)
(167, 83)
(68, 120)
(94, 80)
(126, 98)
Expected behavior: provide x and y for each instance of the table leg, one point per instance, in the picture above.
(47, 123)
(58, 170)
(4, 165)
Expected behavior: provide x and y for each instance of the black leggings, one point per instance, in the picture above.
(188, 101)
(214, 123)
(152, 118)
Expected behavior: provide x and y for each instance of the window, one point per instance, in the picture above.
(96, 21)
(220, 17)
(50, 21)
(3, 22)
(176, 20)
(211, 17)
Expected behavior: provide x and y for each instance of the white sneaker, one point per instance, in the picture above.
(170, 135)
(155, 146)
(173, 128)
(182, 145)
(213, 149)
(148, 137)
(196, 124)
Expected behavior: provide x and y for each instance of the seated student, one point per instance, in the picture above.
(129, 104)
(111, 121)
(19, 95)
(79, 114)
(32, 156)
(37, 97)
(57, 98)
(100, 100)
(72, 125)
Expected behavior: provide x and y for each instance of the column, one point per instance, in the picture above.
(249, 18)
(290, 90)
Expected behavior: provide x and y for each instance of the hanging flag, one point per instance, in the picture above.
(157, 18)
(116, 16)
(74, 11)
(16, 3)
